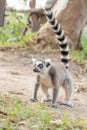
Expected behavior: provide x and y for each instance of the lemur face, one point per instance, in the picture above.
(40, 65)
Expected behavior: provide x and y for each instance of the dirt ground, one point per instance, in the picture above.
(17, 78)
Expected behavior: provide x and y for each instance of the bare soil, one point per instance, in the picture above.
(17, 78)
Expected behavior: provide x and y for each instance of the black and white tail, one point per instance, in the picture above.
(64, 47)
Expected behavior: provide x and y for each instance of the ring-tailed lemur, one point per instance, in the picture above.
(52, 75)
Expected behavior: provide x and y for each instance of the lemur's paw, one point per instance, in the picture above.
(33, 100)
(53, 106)
(68, 103)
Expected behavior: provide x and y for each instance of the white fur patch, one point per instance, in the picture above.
(48, 60)
(39, 62)
(57, 29)
(61, 35)
(65, 57)
(63, 42)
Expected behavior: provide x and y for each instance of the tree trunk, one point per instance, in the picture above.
(2, 11)
(37, 17)
(72, 18)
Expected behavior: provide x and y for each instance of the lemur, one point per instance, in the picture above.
(50, 75)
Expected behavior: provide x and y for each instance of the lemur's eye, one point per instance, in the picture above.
(41, 65)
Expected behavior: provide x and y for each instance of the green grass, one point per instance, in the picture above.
(80, 55)
(6, 40)
(12, 32)
(16, 114)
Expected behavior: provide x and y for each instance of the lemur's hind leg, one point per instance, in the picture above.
(68, 86)
(55, 95)
(46, 95)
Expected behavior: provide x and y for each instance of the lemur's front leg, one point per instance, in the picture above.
(36, 87)
(54, 100)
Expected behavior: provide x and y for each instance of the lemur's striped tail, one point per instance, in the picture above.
(64, 47)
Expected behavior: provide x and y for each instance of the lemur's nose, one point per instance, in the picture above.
(36, 70)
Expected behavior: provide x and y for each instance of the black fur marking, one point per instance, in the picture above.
(64, 53)
(52, 21)
(63, 46)
(52, 73)
(65, 60)
(59, 32)
(61, 39)
(55, 27)
(48, 64)
(49, 16)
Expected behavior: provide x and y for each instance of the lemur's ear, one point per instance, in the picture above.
(34, 60)
(48, 62)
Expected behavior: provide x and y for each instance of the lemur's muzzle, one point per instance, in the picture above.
(36, 70)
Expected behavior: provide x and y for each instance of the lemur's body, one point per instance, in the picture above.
(54, 75)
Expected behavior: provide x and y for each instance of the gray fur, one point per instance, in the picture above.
(53, 76)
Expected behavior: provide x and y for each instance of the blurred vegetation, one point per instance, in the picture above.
(16, 114)
(12, 32)
(81, 55)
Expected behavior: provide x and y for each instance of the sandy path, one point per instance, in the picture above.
(17, 78)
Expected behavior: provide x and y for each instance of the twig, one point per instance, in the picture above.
(3, 113)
